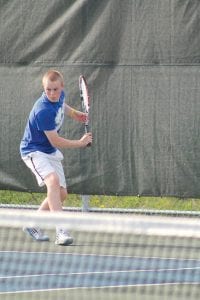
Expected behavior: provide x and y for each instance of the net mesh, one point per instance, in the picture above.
(112, 257)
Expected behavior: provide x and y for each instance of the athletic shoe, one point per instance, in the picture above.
(63, 238)
(36, 234)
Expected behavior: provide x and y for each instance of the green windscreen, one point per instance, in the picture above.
(141, 60)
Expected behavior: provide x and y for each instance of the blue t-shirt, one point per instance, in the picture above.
(45, 115)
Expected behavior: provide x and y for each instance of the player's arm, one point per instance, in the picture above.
(75, 114)
(60, 142)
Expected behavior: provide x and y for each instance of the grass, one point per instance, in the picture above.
(126, 202)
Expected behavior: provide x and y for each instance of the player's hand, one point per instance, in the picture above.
(86, 139)
(79, 116)
(82, 117)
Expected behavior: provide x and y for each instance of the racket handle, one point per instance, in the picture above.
(86, 131)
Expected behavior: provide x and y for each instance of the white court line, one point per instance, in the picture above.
(100, 255)
(98, 272)
(101, 287)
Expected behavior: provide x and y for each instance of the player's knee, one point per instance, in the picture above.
(52, 180)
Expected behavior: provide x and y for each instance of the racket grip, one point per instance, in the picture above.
(86, 131)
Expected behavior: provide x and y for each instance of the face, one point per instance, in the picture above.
(53, 89)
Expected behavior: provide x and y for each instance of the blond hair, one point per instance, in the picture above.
(53, 75)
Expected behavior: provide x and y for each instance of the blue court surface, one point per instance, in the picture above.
(99, 267)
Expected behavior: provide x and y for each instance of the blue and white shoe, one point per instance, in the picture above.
(36, 234)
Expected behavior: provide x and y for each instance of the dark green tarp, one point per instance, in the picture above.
(141, 59)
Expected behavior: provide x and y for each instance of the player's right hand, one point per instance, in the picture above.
(86, 139)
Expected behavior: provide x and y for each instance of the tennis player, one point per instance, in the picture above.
(39, 148)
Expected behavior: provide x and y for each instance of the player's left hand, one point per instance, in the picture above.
(82, 117)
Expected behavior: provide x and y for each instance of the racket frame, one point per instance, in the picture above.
(84, 95)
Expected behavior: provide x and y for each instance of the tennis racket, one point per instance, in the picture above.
(85, 100)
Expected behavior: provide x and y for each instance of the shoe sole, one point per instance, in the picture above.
(65, 243)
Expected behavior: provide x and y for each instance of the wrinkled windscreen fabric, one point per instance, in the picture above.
(141, 60)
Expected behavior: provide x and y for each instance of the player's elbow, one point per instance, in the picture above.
(56, 144)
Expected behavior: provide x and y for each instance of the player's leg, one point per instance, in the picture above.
(63, 195)
(62, 235)
(56, 194)
(53, 192)
(44, 205)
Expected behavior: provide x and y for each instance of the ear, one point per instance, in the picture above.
(62, 84)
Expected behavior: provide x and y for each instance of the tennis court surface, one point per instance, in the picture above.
(112, 257)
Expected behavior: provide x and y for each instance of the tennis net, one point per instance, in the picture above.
(112, 257)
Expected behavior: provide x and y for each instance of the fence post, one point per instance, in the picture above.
(85, 202)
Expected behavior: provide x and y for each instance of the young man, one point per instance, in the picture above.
(39, 148)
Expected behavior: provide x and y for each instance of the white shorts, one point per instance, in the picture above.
(42, 164)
